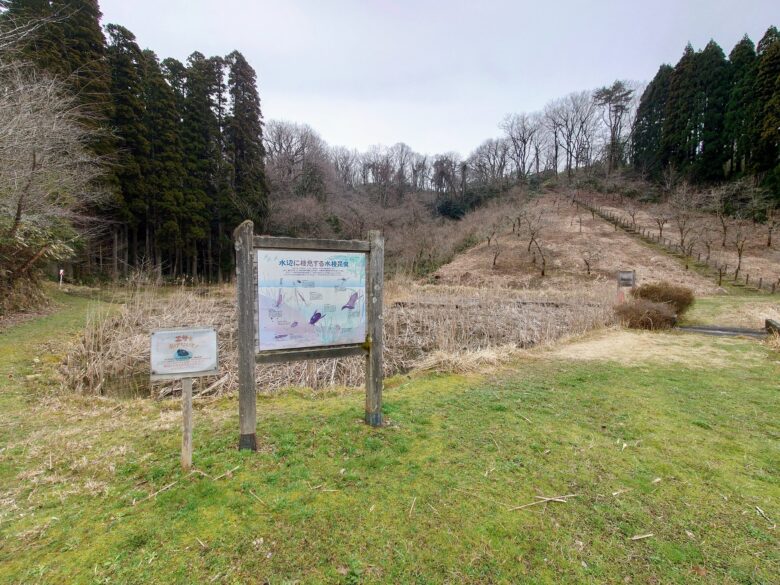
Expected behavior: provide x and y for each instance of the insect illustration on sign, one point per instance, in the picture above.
(315, 317)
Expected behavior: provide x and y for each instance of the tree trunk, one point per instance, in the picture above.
(115, 256)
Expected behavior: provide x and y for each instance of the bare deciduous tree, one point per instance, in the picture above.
(590, 256)
(48, 176)
(739, 241)
(661, 217)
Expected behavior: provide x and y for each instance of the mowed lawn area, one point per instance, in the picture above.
(669, 460)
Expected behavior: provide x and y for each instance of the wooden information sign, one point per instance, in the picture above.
(305, 299)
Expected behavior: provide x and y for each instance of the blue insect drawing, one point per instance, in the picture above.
(279, 298)
(351, 302)
(182, 354)
(294, 324)
(280, 336)
(315, 317)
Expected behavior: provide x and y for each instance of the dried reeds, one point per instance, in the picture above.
(426, 327)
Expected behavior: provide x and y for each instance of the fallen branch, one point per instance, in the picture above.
(228, 472)
(162, 489)
(255, 496)
(544, 500)
(764, 516)
(642, 536)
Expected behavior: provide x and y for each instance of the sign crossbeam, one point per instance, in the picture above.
(310, 353)
(310, 244)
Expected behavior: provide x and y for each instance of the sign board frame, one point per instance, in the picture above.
(247, 244)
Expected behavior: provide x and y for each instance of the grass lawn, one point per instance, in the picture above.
(686, 453)
(740, 310)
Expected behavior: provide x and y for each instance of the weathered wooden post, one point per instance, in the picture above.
(247, 398)
(375, 337)
(186, 423)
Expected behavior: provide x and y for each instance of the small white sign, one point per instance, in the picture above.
(184, 353)
(627, 278)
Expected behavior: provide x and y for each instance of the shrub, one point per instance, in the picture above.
(679, 297)
(644, 314)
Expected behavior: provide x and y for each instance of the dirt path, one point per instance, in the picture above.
(652, 348)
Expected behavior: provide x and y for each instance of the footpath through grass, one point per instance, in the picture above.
(674, 473)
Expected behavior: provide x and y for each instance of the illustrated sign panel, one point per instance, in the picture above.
(184, 352)
(310, 298)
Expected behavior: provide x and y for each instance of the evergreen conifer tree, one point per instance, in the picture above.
(679, 136)
(647, 153)
(125, 60)
(165, 165)
(244, 138)
(767, 126)
(741, 107)
(201, 139)
(713, 84)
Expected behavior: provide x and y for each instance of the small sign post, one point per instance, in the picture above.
(184, 354)
(625, 279)
(306, 299)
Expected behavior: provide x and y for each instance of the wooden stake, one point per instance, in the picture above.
(375, 322)
(247, 399)
(186, 417)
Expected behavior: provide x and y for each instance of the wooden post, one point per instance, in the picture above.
(247, 415)
(186, 426)
(760, 283)
(374, 367)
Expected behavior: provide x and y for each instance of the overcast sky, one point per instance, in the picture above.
(438, 75)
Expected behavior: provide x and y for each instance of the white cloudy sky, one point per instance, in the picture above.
(438, 75)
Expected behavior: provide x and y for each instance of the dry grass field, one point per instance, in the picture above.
(569, 236)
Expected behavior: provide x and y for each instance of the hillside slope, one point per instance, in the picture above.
(569, 235)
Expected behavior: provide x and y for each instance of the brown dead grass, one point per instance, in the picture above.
(566, 247)
(426, 327)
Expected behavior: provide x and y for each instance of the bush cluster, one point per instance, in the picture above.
(680, 298)
(645, 314)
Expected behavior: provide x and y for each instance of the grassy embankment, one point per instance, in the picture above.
(688, 453)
